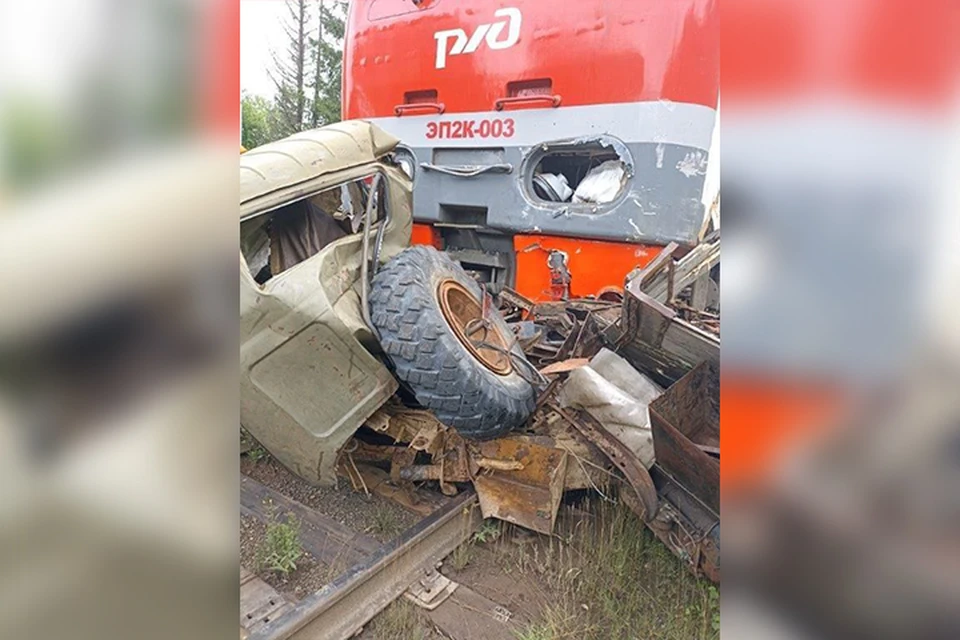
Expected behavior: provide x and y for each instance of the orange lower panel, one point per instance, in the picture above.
(425, 234)
(594, 265)
(763, 420)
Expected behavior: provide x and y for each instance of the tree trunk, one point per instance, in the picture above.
(316, 80)
(301, 59)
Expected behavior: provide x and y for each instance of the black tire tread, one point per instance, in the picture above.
(430, 359)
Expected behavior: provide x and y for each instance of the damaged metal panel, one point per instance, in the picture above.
(687, 527)
(519, 478)
(643, 497)
(658, 343)
(686, 426)
(665, 146)
(285, 170)
(301, 333)
(639, 212)
(418, 427)
(664, 278)
(526, 492)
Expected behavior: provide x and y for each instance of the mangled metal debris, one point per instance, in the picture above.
(524, 485)
(586, 170)
(519, 478)
(656, 341)
(552, 187)
(683, 280)
(617, 396)
(629, 398)
(686, 436)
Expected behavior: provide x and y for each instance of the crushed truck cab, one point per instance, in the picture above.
(308, 376)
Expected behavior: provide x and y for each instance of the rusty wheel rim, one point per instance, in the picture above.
(464, 313)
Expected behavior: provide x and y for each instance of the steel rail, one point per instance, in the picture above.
(340, 609)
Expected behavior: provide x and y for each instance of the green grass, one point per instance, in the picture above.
(257, 454)
(250, 447)
(462, 556)
(489, 531)
(608, 578)
(280, 548)
(402, 620)
(385, 521)
(535, 632)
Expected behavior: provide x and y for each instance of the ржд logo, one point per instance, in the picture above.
(490, 32)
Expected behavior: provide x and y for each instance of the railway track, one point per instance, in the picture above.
(377, 575)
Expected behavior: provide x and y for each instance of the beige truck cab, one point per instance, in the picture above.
(307, 380)
(335, 308)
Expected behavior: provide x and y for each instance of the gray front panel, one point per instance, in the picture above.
(660, 203)
(663, 145)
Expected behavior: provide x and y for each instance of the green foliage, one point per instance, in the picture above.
(38, 141)
(328, 64)
(308, 74)
(257, 454)
(488, 531)
(259, 121)
(281, 547)
(289, 72)
(385, 521)
(713, 606)
(462, 556)
(536, 632)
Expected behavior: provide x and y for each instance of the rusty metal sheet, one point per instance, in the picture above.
(430, 437)
(688, 527)
(422, 503)
(528, 496)
(366, 452)
(402, 458)
(418, 427)
(564, 366)
(644, 498)
(685, 416)
(516, 299)
(379, 421)
(587, 466)
(656, 342)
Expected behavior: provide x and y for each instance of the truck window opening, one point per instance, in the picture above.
(283, 238)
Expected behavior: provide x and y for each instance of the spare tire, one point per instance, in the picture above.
(423, 304)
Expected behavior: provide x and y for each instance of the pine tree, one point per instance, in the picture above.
(328, 63)
(290, 72)
(308, 77)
